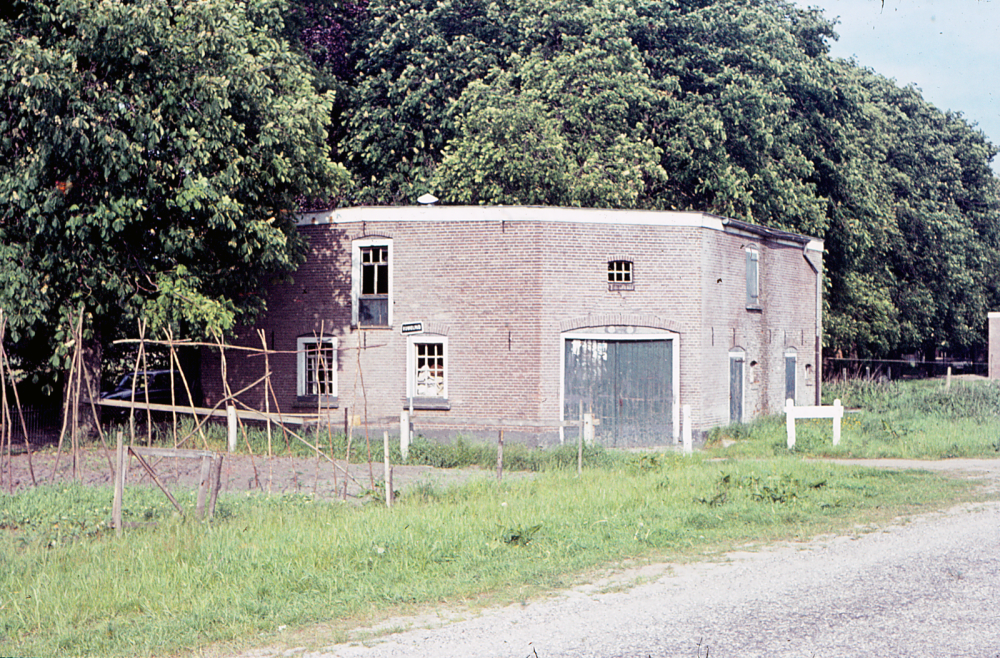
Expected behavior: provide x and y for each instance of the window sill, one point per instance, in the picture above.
(440, 404)
(755, 309)
(313, 402)
(616, 287)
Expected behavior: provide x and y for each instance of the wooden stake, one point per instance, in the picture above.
(500, 457)
(203, 486)
(347, 455)
(214, 484)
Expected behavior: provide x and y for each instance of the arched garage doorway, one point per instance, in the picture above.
(627, 377)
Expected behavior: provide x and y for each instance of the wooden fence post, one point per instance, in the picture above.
(500, 457)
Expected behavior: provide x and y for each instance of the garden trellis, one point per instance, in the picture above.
(179, 425)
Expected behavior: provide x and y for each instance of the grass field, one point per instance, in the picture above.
(176, 585)
(908, 420)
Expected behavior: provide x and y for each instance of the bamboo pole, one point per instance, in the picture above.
(152, 474)
(230, 398)
(347, 456)
(267, 410)
(321, 367)
(65, 415)
(6, 368)
(75, 438)
(368, 442)
(6, 435)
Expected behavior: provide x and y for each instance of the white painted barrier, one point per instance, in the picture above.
(836, 412)
(686, 431)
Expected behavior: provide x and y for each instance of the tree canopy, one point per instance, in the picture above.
(725, 106)
(152, 155)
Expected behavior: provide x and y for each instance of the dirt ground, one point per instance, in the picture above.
(239, 473)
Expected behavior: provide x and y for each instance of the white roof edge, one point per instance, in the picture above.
(511, 214)
(673, 218)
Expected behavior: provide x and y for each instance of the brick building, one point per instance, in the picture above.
(479, 318)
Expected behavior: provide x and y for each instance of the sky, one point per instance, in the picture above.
(950, 49)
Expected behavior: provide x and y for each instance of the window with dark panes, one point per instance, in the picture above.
(320, 365)
(620, 271)
(374, 299)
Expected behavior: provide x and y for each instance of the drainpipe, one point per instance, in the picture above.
(815, 260)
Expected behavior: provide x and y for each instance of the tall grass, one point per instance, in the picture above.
(268, 562)
(906, 419)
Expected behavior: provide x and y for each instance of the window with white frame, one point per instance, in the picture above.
(371, 282)
(317, 368)
(427, 366)
(753, 278)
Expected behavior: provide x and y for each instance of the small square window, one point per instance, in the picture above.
(620, 271)
(620, 275)
(317, 368)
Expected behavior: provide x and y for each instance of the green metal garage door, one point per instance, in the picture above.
(629, 386)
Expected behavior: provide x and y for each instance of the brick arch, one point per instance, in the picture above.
(436, 328)
(619, 319)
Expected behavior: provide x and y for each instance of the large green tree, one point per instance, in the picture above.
(727, 106)
(152, 155)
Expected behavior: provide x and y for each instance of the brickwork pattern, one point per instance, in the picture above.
(505, 292)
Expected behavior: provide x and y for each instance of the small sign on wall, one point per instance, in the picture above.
(412, 327)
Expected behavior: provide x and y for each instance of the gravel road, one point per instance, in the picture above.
(929, 586)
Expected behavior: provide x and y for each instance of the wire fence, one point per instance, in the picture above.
(845, 369)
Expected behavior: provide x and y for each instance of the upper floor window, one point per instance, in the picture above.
(620, 275)
(371, 285)
(753, 278)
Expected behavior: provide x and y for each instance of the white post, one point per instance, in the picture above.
(116, 505)
(387, 477)
(588, 428)
(231, 425)
(686, 429)
(838, 413)
(790, 422)
(675, 417)
(404, 434)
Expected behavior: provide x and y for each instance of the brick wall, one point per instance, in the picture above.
(503, 292)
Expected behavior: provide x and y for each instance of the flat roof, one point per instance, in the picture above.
(671, 218)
